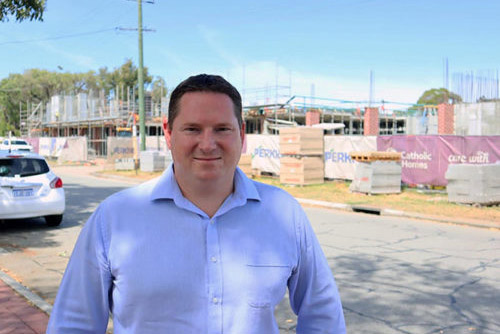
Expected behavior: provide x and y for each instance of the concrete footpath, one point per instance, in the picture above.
(22, 311)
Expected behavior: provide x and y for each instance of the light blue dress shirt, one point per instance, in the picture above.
(161, 265)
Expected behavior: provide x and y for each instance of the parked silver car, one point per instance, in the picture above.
(28, 188)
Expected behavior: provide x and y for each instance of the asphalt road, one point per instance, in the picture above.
(395, 275)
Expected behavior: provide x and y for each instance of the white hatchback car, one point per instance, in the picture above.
(29, 189)
(15, 144)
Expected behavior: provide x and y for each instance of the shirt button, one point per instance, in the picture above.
(215, 300)
(213, 259)
(212, 221)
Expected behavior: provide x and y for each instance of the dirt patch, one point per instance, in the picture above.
(410, 200)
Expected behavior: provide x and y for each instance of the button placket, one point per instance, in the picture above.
(214, 278)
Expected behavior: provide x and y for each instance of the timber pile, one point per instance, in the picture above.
(301, 141)
(301, 161)
(245, 164)
(369, 156)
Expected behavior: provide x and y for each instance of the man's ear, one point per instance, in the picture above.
(242, 132)
(167, 132)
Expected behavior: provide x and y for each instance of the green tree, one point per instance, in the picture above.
(159, 89)
(36, 85)
(22, 9)
(127, 75)
(437, 96)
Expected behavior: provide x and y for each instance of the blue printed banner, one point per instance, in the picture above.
(338, 163)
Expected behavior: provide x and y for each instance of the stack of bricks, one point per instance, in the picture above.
(446, 119)
(371, 124)
(301, 161)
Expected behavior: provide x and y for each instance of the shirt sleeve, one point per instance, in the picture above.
(82, 302)
(313, 293)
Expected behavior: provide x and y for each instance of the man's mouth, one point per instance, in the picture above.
(207, 158)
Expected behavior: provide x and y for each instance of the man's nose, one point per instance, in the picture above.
(207, 141)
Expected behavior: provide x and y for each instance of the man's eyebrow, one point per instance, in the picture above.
(226, 124)
(191, 124)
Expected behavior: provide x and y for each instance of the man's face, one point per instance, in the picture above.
(205, 138)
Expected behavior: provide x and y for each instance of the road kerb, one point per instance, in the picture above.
(331, 205)
(32, 297)
(399, 213)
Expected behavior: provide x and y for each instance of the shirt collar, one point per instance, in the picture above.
(167, 188)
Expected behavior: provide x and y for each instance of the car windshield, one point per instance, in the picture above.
(22, 167)
(19, 142)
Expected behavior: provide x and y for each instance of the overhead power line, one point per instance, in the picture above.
(59, 37)
(135, 29)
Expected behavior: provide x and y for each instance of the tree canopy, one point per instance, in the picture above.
(37, 85)
(437, 96)
(22, 9)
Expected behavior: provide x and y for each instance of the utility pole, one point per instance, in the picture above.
(140, 73)
(142, 116)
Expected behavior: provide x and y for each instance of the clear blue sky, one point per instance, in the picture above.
(322, 47)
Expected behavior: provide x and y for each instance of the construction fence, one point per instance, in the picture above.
(425, 159)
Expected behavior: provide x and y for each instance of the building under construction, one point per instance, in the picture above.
(98, 117)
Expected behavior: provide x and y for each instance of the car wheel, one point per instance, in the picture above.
(53, 220)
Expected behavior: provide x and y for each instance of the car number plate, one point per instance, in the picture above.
(25, 192)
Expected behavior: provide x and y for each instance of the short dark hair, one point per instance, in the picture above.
(204, 83)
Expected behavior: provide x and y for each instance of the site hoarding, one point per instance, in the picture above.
(265, 152)
(51, 146)
(425, 159)
(338, 163)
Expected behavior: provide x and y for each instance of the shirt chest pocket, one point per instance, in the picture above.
(266, 280)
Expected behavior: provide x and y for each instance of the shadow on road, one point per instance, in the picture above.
(386, 295)
(81, 201)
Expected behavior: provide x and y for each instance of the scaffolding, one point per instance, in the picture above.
(93, 115)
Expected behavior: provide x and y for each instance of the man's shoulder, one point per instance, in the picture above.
(135, 195)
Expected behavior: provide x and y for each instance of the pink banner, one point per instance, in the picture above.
(33, 142)
(425, 159)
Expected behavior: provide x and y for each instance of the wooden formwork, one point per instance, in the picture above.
(302, 170)
(301, 141)
(369, 156)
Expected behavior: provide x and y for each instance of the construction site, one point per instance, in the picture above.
(429, 138)
(98, 117)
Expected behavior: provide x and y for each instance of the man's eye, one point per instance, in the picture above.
(191, 129)
(223, 129)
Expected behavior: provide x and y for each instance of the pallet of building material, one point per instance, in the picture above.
(124, 164)
(245, 164)
(152, 161)
(473, 184)
(301, 140)
(377, 177)
(369, 156)
(302, 170)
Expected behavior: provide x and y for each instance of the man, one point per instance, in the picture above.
(202, 249)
